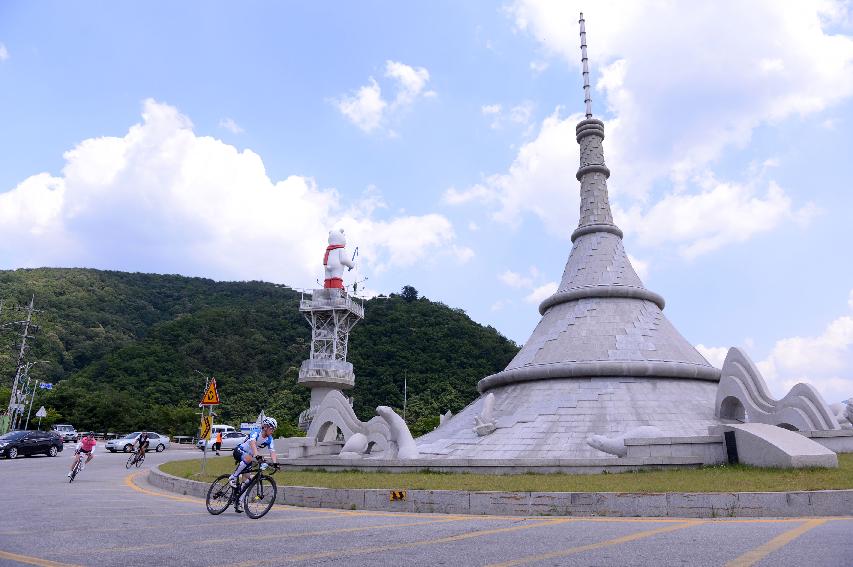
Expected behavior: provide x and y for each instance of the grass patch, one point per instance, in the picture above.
(720, 478)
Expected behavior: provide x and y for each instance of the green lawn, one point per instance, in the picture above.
(721, 478)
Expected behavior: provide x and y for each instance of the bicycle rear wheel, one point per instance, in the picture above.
(219, 495)
(260, 497)
(129, 462)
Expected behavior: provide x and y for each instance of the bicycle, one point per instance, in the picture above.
(258, 493)
(134, 459)
(77, 468)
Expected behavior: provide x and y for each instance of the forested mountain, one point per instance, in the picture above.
(123, 350)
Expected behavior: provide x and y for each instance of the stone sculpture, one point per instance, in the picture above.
(843, 413)
(485, 422)
(355, 447)
(444, 417)
(743, 396)
(400, 434)
(616, 445)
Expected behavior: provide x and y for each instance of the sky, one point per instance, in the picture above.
(225, 140)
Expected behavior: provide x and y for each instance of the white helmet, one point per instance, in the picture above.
(271, 422)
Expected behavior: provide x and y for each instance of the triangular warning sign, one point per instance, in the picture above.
(211, 396)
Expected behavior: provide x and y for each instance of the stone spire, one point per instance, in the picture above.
(601, 321)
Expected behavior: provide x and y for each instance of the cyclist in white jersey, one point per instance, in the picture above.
(246, 451)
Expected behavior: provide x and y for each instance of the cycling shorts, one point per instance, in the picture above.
(84, 451)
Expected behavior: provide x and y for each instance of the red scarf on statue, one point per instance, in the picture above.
(329, 248)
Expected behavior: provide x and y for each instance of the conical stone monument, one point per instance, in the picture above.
(603, 360)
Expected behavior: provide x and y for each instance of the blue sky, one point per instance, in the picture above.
(224, 140)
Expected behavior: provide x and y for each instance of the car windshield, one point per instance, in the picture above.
(13, 436)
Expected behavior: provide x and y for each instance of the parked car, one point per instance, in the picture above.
(67, 432)
(17, 443)
(229, 441)
(156, 442)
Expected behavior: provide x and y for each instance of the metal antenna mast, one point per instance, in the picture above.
(586, 96)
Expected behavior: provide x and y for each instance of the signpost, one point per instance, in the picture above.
(40, 414)
(208, 400)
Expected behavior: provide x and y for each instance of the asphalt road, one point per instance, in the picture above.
(111, 516)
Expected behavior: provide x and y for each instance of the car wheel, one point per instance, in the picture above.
(111, 450)
(12, 453)
(127, 448)
(52, 452)
(160, 447)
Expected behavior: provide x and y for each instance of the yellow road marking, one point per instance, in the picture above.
(208, 542)
(32, 560)
(591, 546)
(754, 556)
(393, 547)
(129, 481)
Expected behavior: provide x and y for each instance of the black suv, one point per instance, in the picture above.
(17, 443)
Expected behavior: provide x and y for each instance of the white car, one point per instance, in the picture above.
(156, 442)
(229, 441)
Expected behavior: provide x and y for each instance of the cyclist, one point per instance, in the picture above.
(246, 451)
(86, 447)
(142, 444)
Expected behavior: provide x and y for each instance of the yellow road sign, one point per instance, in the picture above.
(211, 396)
(206, 423)
(397, 495)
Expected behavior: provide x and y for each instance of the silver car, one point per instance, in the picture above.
(156, 441)
(229, 441)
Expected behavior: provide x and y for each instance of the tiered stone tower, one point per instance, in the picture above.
(602, 360)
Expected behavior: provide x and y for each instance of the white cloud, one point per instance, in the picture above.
(519, 114)
(367, 109)
(657, 136)
(714, 355)
(721, 214)
(231, 126)
(641, 267)
(542, 292)
(538, 66)
(4, 53)
(163, 199)
(825, 361)
(513, 279)
(473, 227)
(793, 67)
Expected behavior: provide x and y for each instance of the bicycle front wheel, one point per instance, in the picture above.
(260, 497)
(139, 461)
(129, 462)
(219, 495)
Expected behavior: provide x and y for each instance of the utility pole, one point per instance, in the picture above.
(16, 402)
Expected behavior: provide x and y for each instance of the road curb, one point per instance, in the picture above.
(612, 504)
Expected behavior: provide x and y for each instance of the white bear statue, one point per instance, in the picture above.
(335, 260)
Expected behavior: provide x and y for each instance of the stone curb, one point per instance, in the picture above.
(614, 504)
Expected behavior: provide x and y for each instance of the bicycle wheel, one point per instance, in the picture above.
(75, 471)
(139, 461)
(260, 497)
(219, 495)
(130, 460)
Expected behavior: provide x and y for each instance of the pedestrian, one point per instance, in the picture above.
(217, 444)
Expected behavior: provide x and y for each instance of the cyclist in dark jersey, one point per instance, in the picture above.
(142, 443)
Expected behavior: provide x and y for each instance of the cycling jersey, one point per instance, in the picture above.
(261, 443)
(86, 445)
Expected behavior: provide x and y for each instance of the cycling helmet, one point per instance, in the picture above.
(270, 421)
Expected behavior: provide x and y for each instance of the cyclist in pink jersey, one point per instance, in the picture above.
(86, 447)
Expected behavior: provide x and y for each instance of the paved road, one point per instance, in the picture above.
(110, 516)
